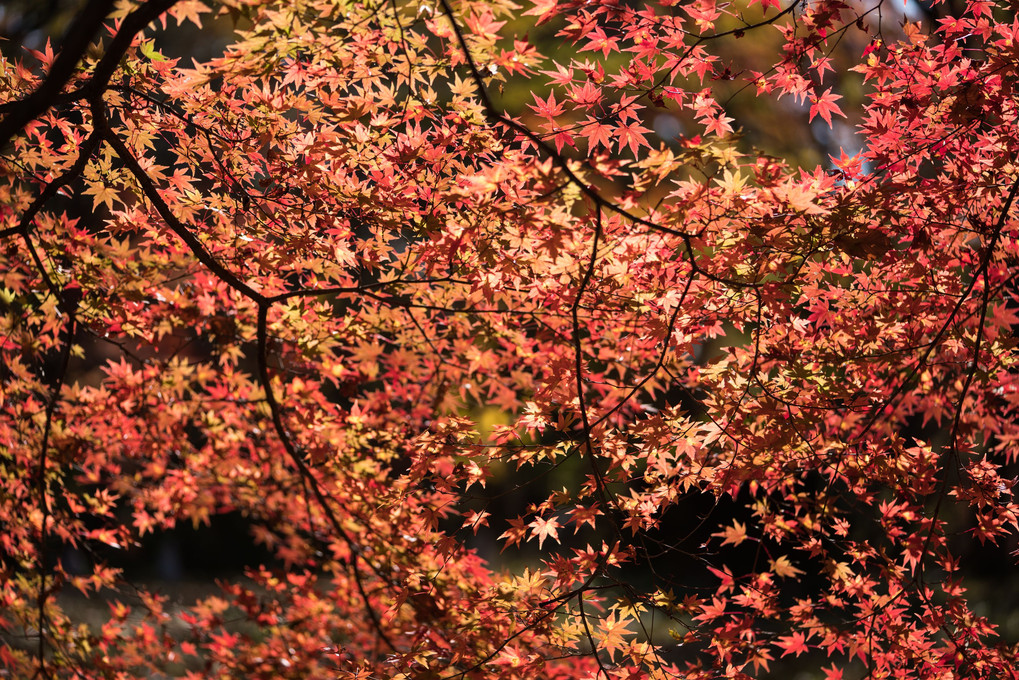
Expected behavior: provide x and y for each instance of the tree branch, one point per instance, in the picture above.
(79, 36)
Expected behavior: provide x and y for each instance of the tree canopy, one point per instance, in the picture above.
(519, 352)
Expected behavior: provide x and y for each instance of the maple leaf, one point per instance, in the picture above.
(46, 56)
(632, 135)
(598, 39)
(731, 182)
(725, 575)
(102, 193)
(783, 568)
(542, 529)
(582, 515)
(611, 632)
(549, 108)
(735, 534)
(714, 610)
(597, 133)
(464, 88)
(543, 9)
(475, 520)
(562, 138)
(824, 106)
(516, 533)
(832, 673)
(563, 75)
(188, 10)
(793, 644)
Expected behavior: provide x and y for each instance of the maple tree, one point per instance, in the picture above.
(287, 282)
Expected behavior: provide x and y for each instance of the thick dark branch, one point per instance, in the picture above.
(197, 247)
(585, 280)
(304, 471)
(80, 34)
(133, 24)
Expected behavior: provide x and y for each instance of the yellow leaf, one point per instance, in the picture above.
(735, 534)
(102, 194)
(782, 567)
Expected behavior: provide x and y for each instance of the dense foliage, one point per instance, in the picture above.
(722, 416)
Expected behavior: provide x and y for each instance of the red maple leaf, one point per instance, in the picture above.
(824, 106)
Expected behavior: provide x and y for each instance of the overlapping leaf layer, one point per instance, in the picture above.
(300, 281)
